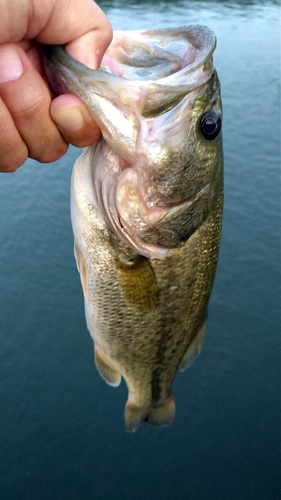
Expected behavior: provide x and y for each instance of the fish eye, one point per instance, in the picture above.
(210, 125)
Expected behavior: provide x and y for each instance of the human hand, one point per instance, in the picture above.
(31, 123)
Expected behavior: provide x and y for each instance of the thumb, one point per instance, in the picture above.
(74, 121)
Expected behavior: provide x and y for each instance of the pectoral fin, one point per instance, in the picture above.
(194, 347)
(139, 284)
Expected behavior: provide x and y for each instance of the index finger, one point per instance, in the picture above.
(79, 24)
(83, 27)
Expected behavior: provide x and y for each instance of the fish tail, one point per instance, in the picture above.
(160, 415)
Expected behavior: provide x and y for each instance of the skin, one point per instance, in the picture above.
(32, 124)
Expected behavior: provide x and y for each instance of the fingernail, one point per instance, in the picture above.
(70, 119)
(11, 67)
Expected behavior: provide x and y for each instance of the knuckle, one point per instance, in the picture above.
(33, 107)
(44, 141)
(12, 161)
(107, 31)
(13, 151)
(50, 152)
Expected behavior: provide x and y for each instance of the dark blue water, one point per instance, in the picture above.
(61, 426)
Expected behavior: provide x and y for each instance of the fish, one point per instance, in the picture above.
(146, 206)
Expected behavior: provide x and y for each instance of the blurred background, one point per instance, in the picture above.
(61, 427)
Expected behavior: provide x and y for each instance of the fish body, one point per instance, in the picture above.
(146, 207)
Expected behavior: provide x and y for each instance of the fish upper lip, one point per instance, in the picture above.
(204, 41)
(201, 38)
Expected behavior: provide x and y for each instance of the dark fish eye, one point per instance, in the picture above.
(210, 125)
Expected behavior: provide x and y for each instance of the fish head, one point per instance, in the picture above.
(156, 98)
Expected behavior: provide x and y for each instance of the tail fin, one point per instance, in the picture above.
(163, 414)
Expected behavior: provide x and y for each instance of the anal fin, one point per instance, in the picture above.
(109, 374)
(194, 347)
(160, 415)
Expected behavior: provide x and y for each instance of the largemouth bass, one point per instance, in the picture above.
(146, 206)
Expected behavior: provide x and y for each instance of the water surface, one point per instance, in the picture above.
(61, 426)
